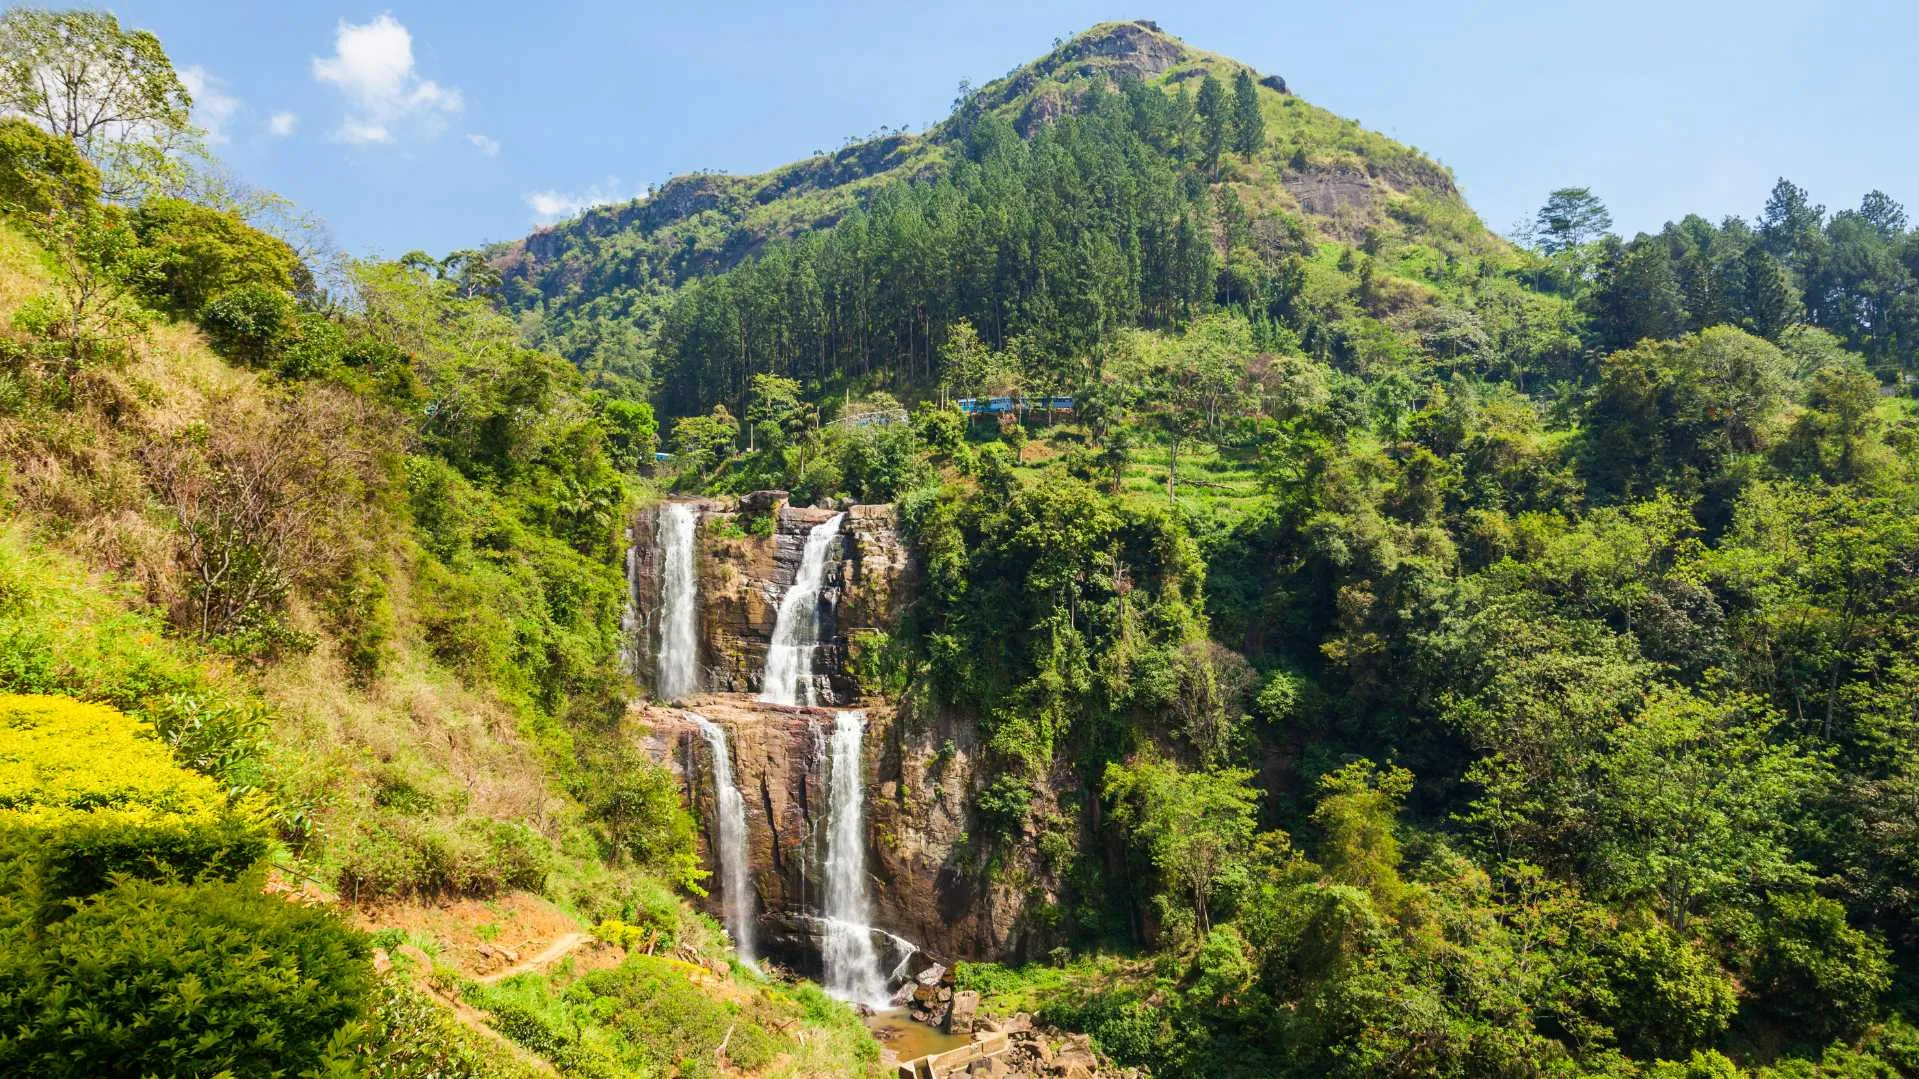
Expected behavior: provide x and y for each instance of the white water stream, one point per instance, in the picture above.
(852, 965)
(734, 881)
(796, 632)
(679, 656)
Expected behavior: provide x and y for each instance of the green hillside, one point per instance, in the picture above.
(1017, 213)
(310, 602)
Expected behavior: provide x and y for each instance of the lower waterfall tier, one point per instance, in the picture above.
(923, 887)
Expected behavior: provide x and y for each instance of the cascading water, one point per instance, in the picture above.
(852, 965)
(679, 657)
(732, 840)
(796, 631)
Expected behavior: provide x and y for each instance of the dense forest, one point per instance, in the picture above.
(1414, 651)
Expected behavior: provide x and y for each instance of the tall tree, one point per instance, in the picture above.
(1638, 296)
(112, 91)
(1883, 213)
(1771, 301)
(1249, 125)
(1571, 218)
(1195, 827)
(1789, 225)
(1213, 123)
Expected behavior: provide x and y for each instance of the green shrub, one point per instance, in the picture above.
(1002, 806)
(531, 1026)
(638, 803)
(1805, 968)
(1668, 996)
(877, 663)
(198, 253)
(171, 979)
(393, 855)
(941, 430)
(515, 856)
(252, 322)
(41, 172)
(411, 1037)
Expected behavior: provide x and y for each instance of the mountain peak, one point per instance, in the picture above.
(1108, 52)
(1137, 49)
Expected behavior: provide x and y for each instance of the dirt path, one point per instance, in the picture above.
(552, 953)
(474, 1020)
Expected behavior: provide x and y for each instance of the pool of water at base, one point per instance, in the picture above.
(908, 1038)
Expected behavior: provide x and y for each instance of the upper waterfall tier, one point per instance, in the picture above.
(796, 632)
(678, 660)
(747, 554)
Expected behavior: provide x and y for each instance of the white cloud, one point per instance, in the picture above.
(362, 131)
(372, 64)
(486, 144)
(282, 124)
(550, 206)
(213, 107)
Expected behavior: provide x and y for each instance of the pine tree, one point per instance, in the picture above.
(1638, 296)
(1212, 123)
(1789, 220)
(1771, 302)
(1249, 126)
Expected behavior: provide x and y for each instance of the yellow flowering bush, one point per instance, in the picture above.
(87, 792)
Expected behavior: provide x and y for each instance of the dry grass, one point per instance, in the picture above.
(78, 475)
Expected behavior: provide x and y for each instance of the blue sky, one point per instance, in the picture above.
(444, 124)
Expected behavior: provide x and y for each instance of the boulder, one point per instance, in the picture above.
(932, 975)
(1017, 1023)
(964, 1011)
(761, 501)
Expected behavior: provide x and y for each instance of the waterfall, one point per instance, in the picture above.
(732, 840)
(852, 966)
(789, 658)
(679, 659)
